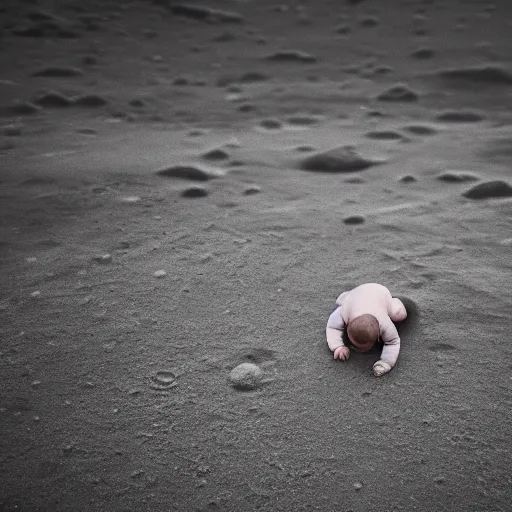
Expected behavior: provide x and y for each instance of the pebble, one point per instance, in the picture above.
(457, 176)
(489, 190)
(35, 294)
(194, 192)
(354, 220)
(246, 376)
(291, 56)
(251, 190)
(460, 116)
(53, 99)
(104, 259)
(358, 486)
(91, 101)
(160, 273)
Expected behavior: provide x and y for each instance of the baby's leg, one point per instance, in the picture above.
(397, 311)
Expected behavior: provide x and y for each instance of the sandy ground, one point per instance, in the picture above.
(128, 296)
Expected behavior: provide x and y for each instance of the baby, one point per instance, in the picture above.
(367, 312)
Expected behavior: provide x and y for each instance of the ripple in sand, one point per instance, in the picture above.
(53, 100)
(190, 172)
(457, 176)
(206, 14)
(58, 72)
(489, 190)
(337, 160)
(460, 116)
(398, 92)
(194, 192)
(246, 377)
(490, 75)
(420, 129)
(291, 56)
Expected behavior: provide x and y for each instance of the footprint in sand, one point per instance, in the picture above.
(163, 380)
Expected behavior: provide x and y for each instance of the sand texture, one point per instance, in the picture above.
(186, 187)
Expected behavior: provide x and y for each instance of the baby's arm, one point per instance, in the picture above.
(389, 355)
(334, 334)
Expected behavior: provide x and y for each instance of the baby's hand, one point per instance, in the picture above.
(381, 368)
(342, 353)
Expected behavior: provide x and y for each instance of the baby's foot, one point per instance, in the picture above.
(381, 368)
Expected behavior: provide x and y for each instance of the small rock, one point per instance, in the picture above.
(341, 159)
(53, 99)
(385, 135)
(408, 178)
(58, 72)
(271, 124)
(423, 53)
(251, 190)
(104, 259)
(35, 294)
(216, 154)
(457, 176)
(460, 116)
(253, 76)
(369, 21)
(190, 172)
(91, 100)
(160, 273)
(419, 129)
(291, 56)
(206, 14)
(353, 220)
(358, 486)
(398, 92)
(246, 376)
(193, 192)
(342, 29)
(489, 190)
(491, 75)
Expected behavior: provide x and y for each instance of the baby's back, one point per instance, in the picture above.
(368, 298)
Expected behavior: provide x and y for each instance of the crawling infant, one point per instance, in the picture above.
(366, 313)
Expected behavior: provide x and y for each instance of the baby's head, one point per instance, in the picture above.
(363, 332)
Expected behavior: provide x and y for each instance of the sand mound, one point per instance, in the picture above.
(398, 92)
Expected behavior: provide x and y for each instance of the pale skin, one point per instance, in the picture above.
(367, 299)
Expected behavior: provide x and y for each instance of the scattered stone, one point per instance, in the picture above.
(246, 107)
(216, 155)
(137, 103)
(206, 14)
(420, 129)
(253, 76)
(460, 116)
(91, 101)
(358, 486)
(190, 172)
(491, 75)
(341, 159)
(181, 81)
(489, 190)
(35, 294)
(58, 72)
(408, 178)
(457, 177)
(195, 191)
(423, 53)
(246, 376)
(271, 124)
(251, 190)
(20, 109)
(369, 21)
(385, 135)
(398, 92)
(53, 100)
(291, 56)
(353, 220)
(104, 259)
(382, 70)
(160, 273)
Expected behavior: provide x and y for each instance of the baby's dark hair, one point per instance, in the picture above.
(363, 329)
